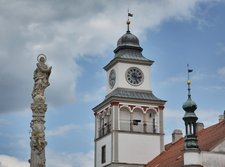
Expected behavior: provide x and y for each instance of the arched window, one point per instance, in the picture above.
(101, 125)
(125, 119)
(151, 121)
(104, 123)
(137, 120)
(107, 123)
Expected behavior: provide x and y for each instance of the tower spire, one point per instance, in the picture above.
(190, 118)
(191, 148)
(128, 20)
(189, 81)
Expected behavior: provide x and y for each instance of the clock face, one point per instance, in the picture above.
(134, 76)
(112, 78)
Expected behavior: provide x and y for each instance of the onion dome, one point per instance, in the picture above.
(189, 106)
(128, 43)
(128, 39)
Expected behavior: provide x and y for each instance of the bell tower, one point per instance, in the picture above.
(129, 122)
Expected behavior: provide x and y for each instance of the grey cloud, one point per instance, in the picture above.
(64, 31)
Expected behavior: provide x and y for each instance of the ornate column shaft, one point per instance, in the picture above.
(38, 107)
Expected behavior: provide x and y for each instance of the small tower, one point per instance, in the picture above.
(129, 122)
(191, 149)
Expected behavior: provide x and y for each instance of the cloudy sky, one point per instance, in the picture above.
(78, 37)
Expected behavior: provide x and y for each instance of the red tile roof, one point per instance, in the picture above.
(208, 139)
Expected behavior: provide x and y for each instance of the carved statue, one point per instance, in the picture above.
(41, 76)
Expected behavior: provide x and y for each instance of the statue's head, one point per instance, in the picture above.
(41, 58)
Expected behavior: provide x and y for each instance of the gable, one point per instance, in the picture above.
(220, 147)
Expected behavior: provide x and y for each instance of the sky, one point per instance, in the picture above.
(78, 37)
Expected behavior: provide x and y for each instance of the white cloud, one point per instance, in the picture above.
(56, 159)
(173, 113)
(90, 126)
(97, 94)
(62, 130)
(182, 78)
(174, 80)
(64, 33)
(9, 161)
(65, 129)
(208, 116)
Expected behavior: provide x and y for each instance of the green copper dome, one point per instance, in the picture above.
(189, 105)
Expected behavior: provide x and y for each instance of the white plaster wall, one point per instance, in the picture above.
(107, 142)
(220, 147)
(210, 159)
(192, 158)
(137, 148)
(121, 68)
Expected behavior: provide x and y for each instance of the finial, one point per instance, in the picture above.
(128, 20)
(189, 81)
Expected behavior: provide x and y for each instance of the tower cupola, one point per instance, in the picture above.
(190, 119)
(128, 46)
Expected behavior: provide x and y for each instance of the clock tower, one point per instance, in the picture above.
(129, 122)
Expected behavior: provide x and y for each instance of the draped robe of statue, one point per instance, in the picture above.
(38, 143)
(41, 78)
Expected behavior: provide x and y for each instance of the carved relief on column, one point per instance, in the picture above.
(38, 107)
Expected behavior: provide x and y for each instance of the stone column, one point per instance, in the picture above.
(38, 107)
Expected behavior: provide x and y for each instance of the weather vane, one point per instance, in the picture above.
(189, 71)
(128, 20)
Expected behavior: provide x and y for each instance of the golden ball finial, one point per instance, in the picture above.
(188, 82)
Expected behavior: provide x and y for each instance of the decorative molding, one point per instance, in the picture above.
(114, 103)
(161, 107)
